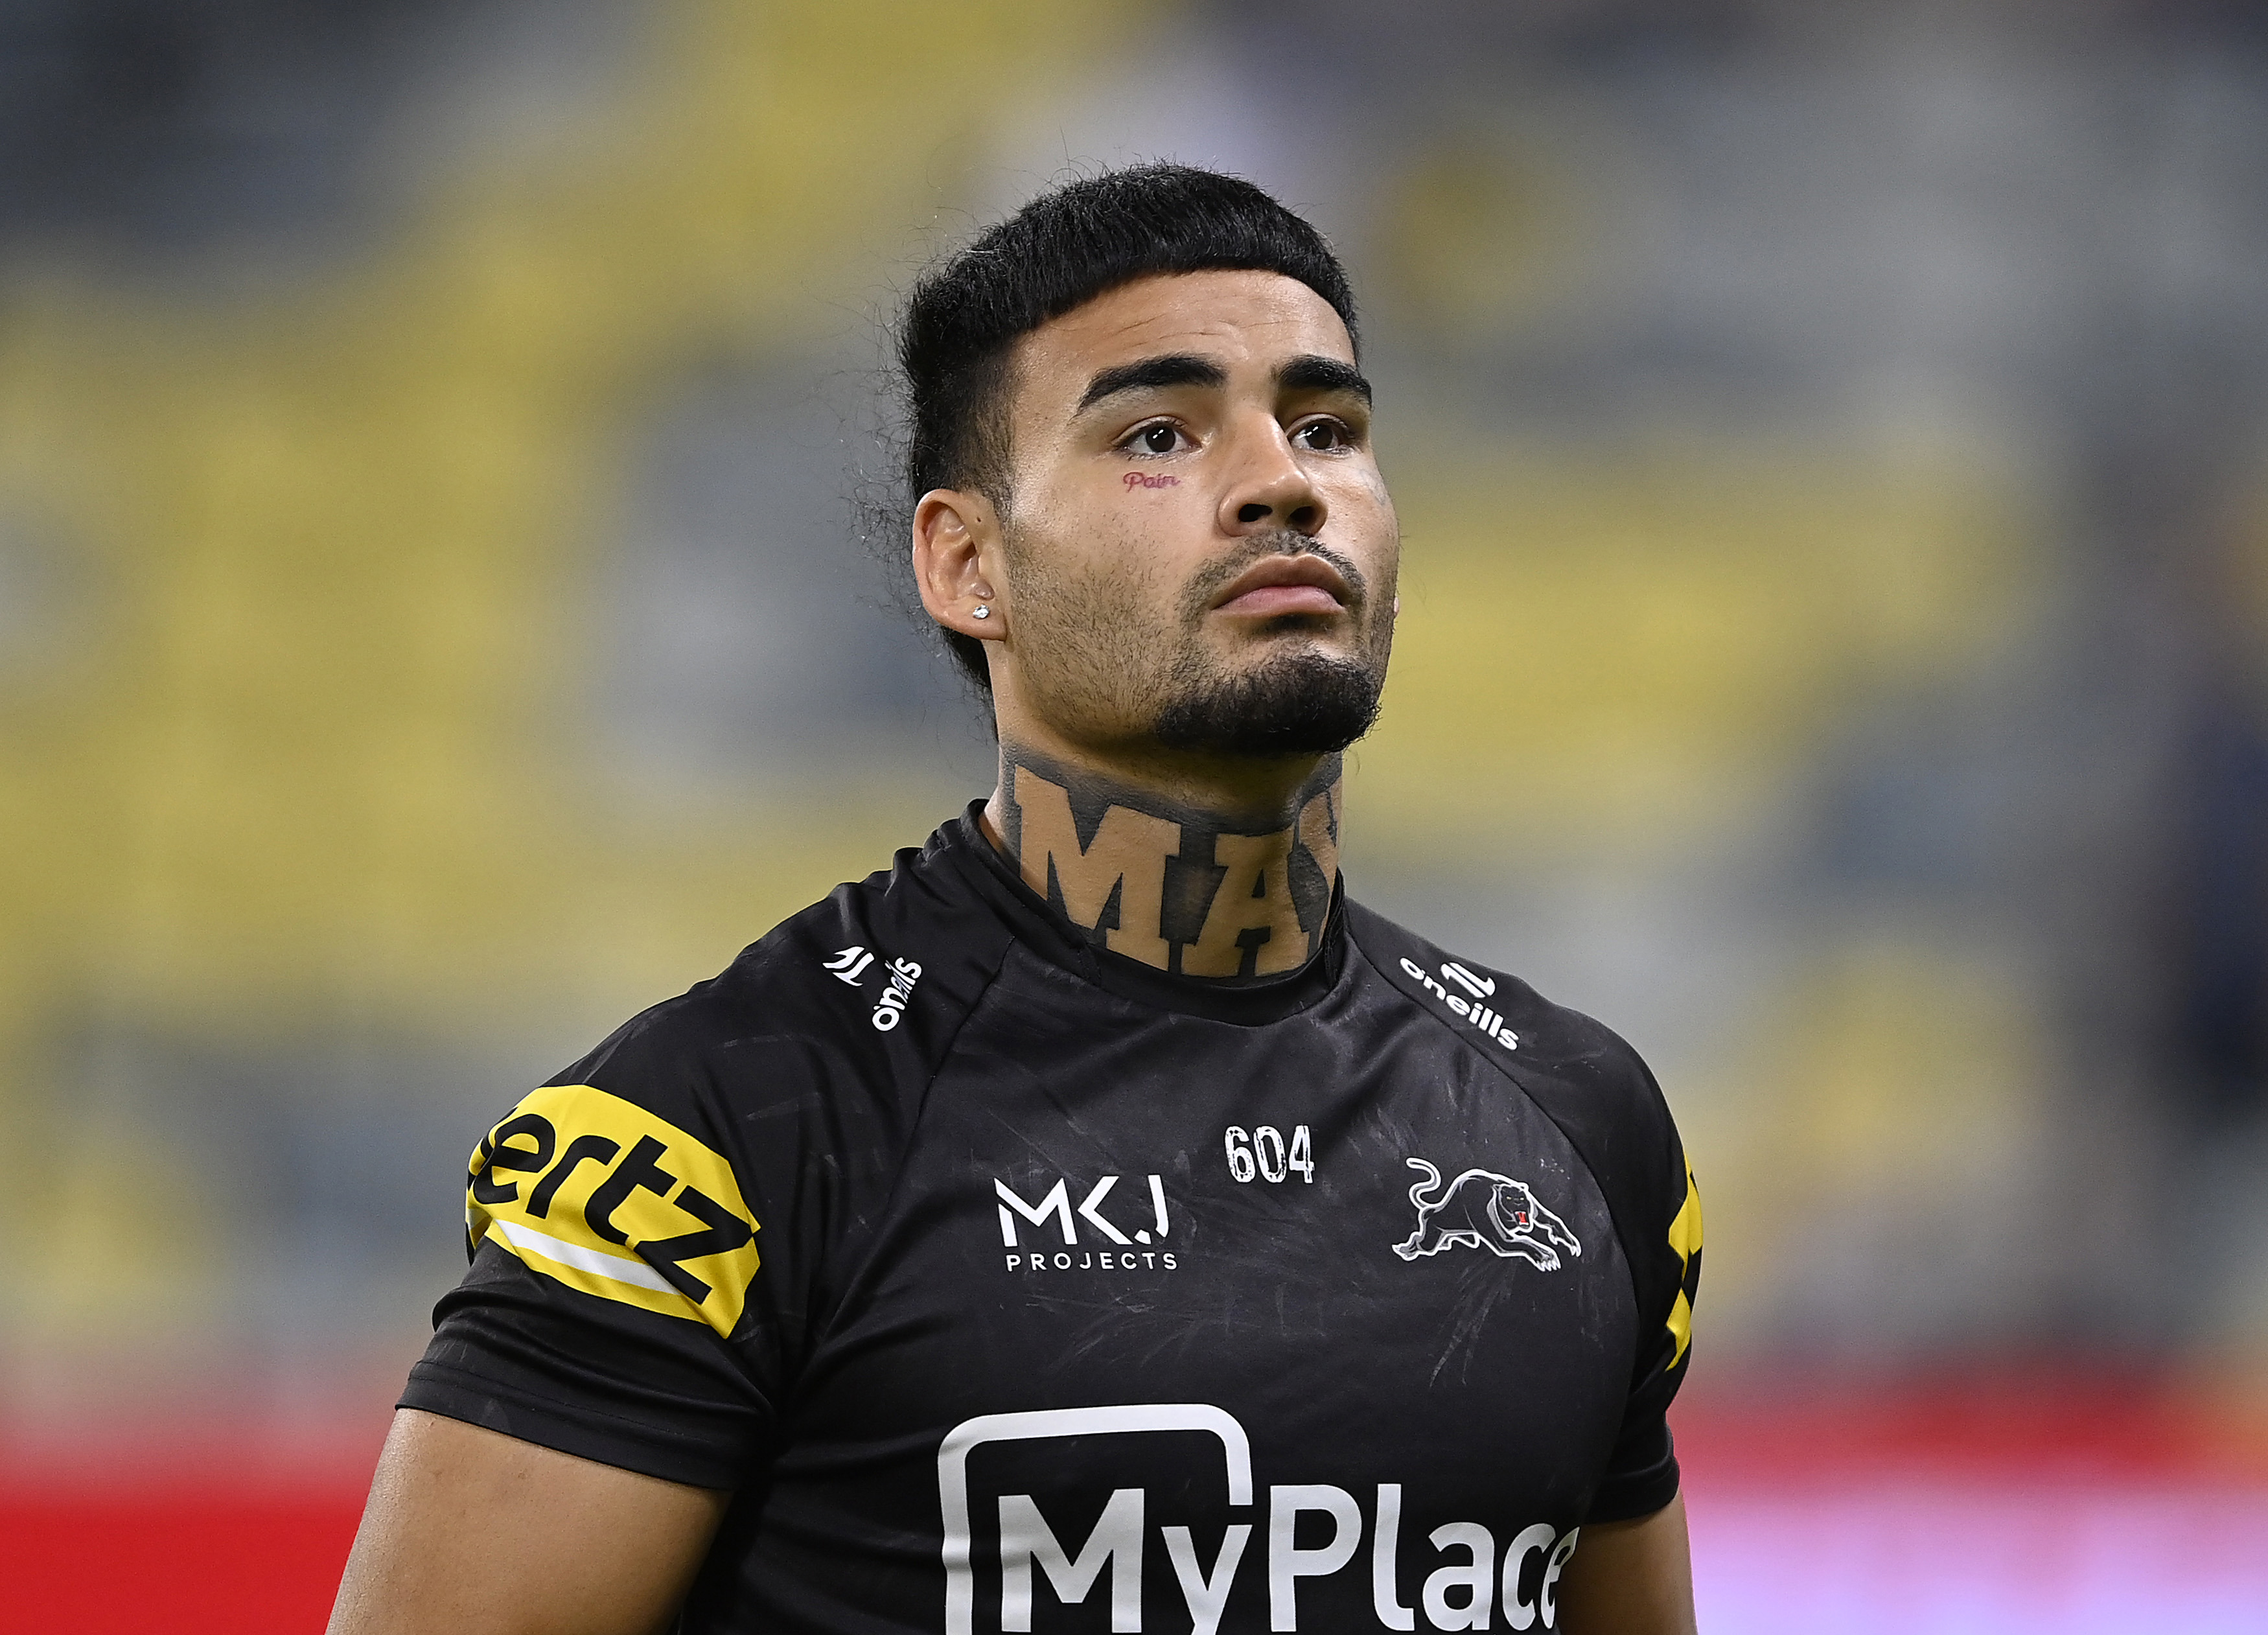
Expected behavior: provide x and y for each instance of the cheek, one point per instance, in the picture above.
(1362, 520)
(1136, 530)
(1102, 550)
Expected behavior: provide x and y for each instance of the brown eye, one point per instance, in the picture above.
(1158, 440)
(1323, 436)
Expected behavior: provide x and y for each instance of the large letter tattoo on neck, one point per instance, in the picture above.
(1177, 888)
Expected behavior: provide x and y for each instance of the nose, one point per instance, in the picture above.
(1271, 490)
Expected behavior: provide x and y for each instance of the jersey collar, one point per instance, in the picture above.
(1250, 1001)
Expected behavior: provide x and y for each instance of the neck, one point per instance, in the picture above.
(1215, 877)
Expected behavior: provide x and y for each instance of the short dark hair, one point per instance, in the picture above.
(1065, 248)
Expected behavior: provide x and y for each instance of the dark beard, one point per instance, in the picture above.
(1306, 704)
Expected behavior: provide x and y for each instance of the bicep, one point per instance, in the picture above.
(1630, 1578)
(475, 1533)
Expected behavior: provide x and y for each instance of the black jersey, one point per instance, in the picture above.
(1013, 1284)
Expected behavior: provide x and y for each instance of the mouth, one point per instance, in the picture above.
(1276, 587)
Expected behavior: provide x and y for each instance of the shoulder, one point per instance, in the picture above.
(1583, 1075)
(866, 987)
(1503, 1016)
(1589, 1082)
(815, 1045)
(645, 1172)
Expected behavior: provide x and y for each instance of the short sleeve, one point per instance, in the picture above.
(613, 1255)
(1642, 1475)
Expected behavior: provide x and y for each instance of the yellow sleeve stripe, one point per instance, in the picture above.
(1685, 1239)
(1685, 1231)
(601, 1195)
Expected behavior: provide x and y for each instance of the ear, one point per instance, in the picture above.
(954, 546)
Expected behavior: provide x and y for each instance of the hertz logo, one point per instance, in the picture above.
(597, 1193)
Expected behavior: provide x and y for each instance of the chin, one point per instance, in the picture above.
(1311, 701)
(1295, 639)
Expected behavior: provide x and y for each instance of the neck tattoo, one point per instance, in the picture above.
(1174, 885)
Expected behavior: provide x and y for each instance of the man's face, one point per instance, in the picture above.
(1199, 545)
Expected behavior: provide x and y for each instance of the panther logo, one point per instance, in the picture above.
(1489, 1211)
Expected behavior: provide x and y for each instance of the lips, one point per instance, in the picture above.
(1276, 586)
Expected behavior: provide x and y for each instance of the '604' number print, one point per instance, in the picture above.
(1264, 1155)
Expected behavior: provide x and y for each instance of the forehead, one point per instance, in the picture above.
(1232, 318)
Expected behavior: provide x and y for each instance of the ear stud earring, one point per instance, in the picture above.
(982, 612)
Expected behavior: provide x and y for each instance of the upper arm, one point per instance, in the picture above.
(1664, 1243)
(1630, 1578)
(474, 1533)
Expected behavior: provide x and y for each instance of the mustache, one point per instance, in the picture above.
(1210, 579)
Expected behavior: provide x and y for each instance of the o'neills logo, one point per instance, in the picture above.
(849, 966)
(993, 1544)
(890, 1009)
(1473, 1010)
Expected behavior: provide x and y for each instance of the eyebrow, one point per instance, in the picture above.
(1323, 374)
(1310, 373)
(1167, 369)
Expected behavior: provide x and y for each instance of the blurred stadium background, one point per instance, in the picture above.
(1833, 449)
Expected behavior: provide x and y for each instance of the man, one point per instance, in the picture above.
(1026, 1238)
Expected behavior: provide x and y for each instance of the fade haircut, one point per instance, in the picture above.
(1059, 252)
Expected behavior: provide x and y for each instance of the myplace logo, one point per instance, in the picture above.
(998, 1555)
